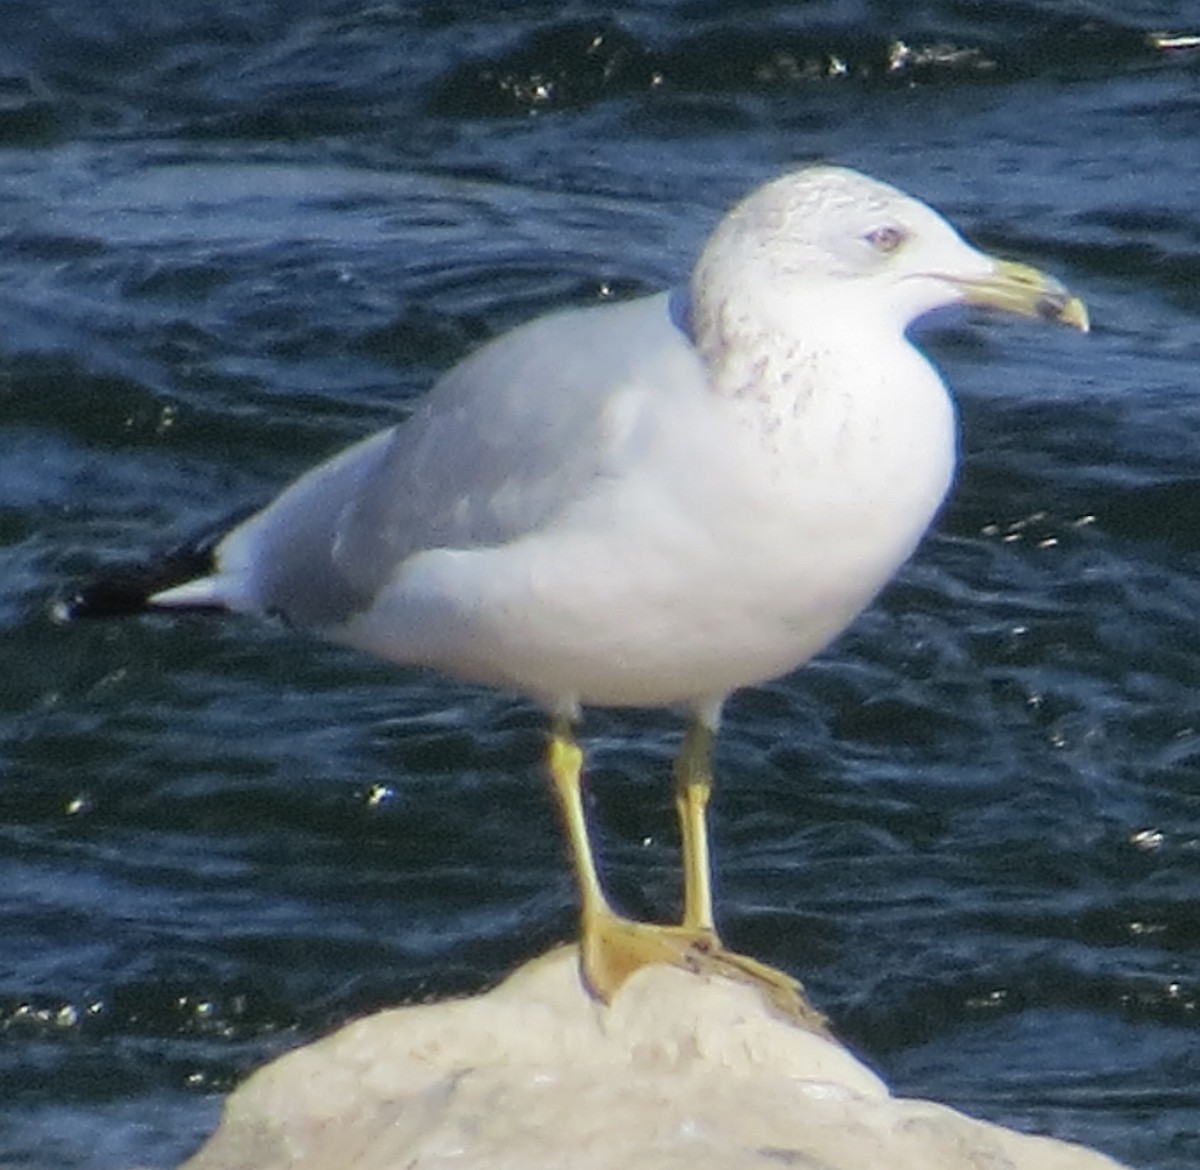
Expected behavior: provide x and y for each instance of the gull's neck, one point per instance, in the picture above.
(829, 390)
(760, 346)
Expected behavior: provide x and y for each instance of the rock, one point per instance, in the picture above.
(681, 1071)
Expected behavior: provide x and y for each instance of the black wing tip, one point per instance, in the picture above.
(121, 593)
(125, 590)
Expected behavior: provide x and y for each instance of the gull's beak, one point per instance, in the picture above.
(1021, 289)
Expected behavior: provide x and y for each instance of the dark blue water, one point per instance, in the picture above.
(236, 235)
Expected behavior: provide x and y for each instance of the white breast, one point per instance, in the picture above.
(741, 538)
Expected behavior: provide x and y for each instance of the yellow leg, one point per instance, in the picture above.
(693, 788)
(565, 764)
(613, 947)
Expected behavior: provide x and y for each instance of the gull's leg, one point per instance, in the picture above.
(565, 764)
(613, 947)
(693, 787)
(693, 790)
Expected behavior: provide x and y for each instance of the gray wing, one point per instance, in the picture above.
(508, 438)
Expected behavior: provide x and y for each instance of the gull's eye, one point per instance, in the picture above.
(886, 239)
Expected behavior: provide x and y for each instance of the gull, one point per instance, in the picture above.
(651, 503)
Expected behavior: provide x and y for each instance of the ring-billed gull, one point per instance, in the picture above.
(650, 503)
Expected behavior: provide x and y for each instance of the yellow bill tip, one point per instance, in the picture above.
(1028, 292)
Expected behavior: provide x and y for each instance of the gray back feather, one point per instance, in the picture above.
(481, 462)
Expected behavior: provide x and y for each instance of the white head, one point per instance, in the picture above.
(827, 243)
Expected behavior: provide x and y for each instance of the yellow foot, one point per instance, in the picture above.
(783, 993)
(613, 948)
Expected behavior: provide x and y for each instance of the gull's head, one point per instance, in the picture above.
(831, 241)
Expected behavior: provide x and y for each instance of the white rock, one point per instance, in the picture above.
(680, 1073)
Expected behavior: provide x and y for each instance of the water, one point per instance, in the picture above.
(234, 236)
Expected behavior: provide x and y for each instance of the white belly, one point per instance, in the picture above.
(675, 597)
